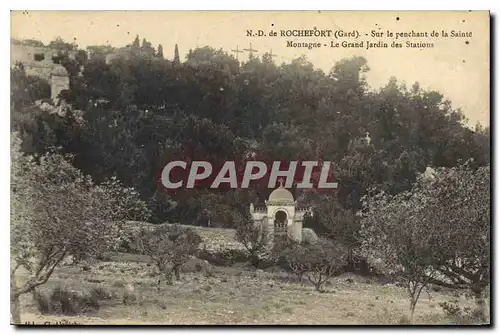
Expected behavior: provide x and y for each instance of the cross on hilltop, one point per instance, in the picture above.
(271, 55)
(250, 50)
(237, 51)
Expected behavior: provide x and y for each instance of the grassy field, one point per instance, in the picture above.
(233, 295)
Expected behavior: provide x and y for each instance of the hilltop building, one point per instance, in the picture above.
(38, 61)
(43, 62)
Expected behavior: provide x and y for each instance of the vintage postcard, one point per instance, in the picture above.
(250, 167)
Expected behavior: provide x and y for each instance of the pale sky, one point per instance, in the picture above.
(458, 70)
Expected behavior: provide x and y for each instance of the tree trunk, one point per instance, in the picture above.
(15, 306)
(177, 273)
(320, 281)
(350, 261)
(413, 304)
(168, 277)
(15, 309)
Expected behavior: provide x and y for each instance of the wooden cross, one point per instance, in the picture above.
(250, 50)
(237, 51)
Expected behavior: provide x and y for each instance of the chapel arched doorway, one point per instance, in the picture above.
(280, 223)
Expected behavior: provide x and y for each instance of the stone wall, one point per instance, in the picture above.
(58, 84)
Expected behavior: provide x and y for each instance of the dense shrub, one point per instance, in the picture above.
(169, 247)
(463, 314)
(129, 298)
(101, 293)
(225, 257)
(317, 262)
(64, 302)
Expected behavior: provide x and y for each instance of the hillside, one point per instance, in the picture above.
(213, 239)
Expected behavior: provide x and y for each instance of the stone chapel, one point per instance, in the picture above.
(280, 216)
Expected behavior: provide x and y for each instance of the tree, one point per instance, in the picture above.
(340, 225)
(441, 226)
(147, 49)
(177, 59)
(295, 257)
(140, 110)
(56, 212)
(62, 45)
(324, 260)
(136, 44)
(159, 53)
(318, 261)
(463, 220)
(397, 243)
(169, 247)
(253, 237)
(25, 89)
(99, 51)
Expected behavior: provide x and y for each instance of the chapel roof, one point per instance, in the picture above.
(281, 194)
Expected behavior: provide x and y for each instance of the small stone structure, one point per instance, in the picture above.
(281, 216)
(37, 60)
(59, 81)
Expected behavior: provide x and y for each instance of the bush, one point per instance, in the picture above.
(253, 237)
(101, 294)
(41, 302)
(168, 247)
(225, 257)
(318, 262)
(461, 315)
(103, 257)
(196, 265)
(129, 298)
(63, 302)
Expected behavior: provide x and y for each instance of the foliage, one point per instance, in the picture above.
(63, 302)
(141, 110)
(463, 220)
(463, 315)
(56, 212)
(169, 247)
(59, 44)
(254, 237)
(295, 257)
(440, 227)
(325, 259)
(25, 89)
(318, 262)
